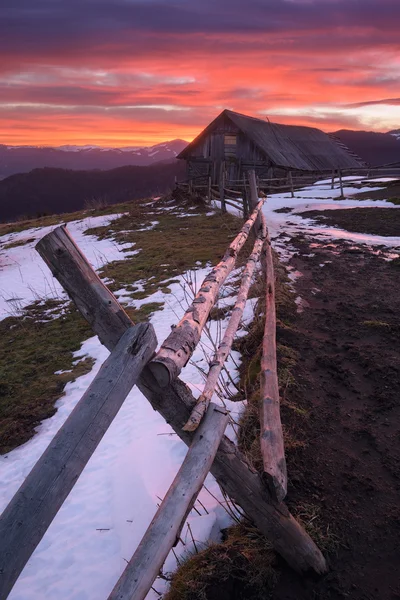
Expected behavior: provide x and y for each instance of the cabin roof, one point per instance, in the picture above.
(287, 146)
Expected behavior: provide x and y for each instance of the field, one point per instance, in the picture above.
(338, 271)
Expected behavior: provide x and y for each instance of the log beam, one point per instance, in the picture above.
(163, 531)
(31, 511)
(271, 435)
(179, 346)
(224, 348)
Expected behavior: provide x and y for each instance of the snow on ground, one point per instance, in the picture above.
(319, 196)
(103, 519)
(24, 277)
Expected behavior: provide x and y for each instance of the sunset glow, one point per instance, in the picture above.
(137, 72)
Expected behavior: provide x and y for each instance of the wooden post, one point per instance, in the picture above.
(230, 468)
(227, 341)
(69, 265)
(163, 531)
(341, 185)
(333, 179)
(209, 190)
(221, 183)
(271, 435)
(254, 197)
(177, 349)
(29, 514)
(291, 184)
(190, 188)
(245, 198)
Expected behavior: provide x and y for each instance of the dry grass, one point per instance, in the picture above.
(240, 567)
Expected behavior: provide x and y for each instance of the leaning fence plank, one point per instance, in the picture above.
(163, 531)
(271, 435)
(177, 349)
(226, 344)
(230, 467)
(36, 503)
(69, 265)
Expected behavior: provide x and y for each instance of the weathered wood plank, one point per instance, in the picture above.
(36, 503)
(225, 347)
(254, 197)
(177, 349)
(145, 564)
(242, 483)
(230, 468)
(271, 435)
(92, 298)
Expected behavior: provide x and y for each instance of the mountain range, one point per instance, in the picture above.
(373, 147)
(21, 159)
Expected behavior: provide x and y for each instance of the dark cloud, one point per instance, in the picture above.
(45, 25)
(391, 101)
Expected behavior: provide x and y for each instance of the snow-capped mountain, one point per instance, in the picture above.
(21, 159)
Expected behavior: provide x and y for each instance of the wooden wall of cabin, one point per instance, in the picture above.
(214, 147)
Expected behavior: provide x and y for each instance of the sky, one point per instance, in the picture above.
(138, 72)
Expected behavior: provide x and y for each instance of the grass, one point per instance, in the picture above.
(240, 567)
(33, 348)
(36, 345)
(18, 243)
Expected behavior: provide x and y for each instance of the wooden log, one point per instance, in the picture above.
(179, 346)
(69, 265)
(333, 180)
(163, 531)
(242, 483)
(36, 503)
(341, 185)
(222, 186)
(231, 469)
(271, 435)
(229, 202)
(291, 184)
(254, 197)
(246, 210)
(224, 348)
(235, 193)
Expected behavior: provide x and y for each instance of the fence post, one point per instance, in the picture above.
(29, 514)
(221, 184)
(291, 183)
(341, 185)
(163, 531)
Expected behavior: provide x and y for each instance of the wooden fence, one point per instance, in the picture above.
(200, 424)
(236, 193)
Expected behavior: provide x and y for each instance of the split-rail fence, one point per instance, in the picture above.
(199, 423)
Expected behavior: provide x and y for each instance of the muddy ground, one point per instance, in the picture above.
(376, 221)
(347, 382)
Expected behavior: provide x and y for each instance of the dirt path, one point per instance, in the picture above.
(348, 377)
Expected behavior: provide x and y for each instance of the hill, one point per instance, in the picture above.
(21, 159)
(375, 148)
(55, 191)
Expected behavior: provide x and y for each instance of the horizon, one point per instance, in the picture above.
(141, 72)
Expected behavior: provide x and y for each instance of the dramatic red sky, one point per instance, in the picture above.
(136, 72)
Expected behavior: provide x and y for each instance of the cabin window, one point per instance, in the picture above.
(230, 144)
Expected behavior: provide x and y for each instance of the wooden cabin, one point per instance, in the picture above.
(234, 143)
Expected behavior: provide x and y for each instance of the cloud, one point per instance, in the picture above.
(104, 59)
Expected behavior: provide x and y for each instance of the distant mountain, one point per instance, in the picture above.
(55, 191)
(374, 148)
(22, 159)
